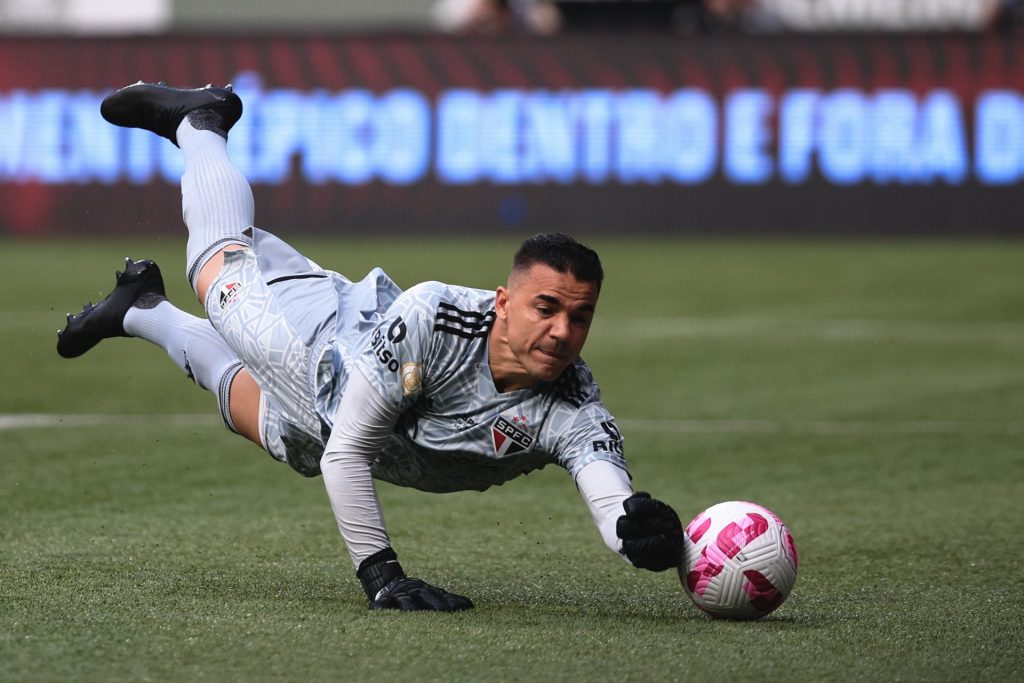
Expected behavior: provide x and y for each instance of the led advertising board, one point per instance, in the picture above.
(783, 135)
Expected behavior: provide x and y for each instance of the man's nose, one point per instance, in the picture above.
(560, 327)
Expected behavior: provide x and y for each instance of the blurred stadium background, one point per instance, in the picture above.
(511, 116)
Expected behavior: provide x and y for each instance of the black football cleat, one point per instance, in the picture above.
(159, 108)
(139, 284)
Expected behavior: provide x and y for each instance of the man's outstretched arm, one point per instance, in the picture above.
(361, 428)
(644, 530)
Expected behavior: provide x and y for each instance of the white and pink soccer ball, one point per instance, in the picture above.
(739, 561)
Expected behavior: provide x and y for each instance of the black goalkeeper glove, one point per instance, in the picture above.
(388, 587)
(651, 533)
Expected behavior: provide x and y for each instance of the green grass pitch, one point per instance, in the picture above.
(871, 393)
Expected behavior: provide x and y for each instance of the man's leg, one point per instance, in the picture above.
(200, 352)
(137, 307)
(279, 350)
(217, 202)
(244, 407)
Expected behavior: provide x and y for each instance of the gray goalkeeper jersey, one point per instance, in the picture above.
(428, 359)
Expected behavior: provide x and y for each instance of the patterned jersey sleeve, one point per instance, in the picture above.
(585, 430)
(396, 353)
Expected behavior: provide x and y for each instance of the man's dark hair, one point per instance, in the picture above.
(562, 253)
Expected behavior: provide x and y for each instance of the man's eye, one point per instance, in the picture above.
(544, 311)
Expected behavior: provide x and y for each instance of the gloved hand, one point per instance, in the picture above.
(388, 587)
(416, 594)
(651, 533)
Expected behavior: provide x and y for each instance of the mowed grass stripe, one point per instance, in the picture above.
(683, 327)
(856, 427)
(13, 421)
(657, 329)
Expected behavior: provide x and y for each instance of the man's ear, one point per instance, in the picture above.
(501, 302)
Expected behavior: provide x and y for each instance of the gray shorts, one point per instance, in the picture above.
(294, 326)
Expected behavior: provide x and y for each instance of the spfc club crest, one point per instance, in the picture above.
(508, 438)
(228, 293)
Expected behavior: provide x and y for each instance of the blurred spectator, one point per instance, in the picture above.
(545, 17)
(723, 16)
(622, 15)
(490, 17)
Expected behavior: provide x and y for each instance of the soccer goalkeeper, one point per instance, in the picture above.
(441, 387)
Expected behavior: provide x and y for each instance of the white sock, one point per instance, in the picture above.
(194, 346)
(216, 200)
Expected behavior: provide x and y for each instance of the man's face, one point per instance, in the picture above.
(547, 316)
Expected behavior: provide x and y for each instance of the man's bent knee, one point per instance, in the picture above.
(244, 405)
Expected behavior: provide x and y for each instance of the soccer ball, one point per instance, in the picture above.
(739, 561)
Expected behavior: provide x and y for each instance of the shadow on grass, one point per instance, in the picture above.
(615, 601)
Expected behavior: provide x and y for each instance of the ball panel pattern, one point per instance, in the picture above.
(739, 562)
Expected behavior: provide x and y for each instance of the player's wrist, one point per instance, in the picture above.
(378, 570)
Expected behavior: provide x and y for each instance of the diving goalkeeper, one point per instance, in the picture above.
(440, 387)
